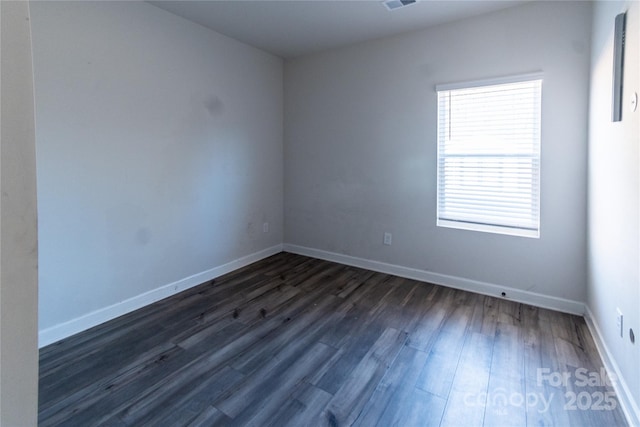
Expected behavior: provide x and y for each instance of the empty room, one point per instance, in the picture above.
(320, 213)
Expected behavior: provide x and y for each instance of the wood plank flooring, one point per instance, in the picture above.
(296, 341)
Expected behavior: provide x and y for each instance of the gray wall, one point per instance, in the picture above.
(18, 232)
(614, 194)
(360, 147)
(159, 148)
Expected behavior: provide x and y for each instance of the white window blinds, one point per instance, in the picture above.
(489, 156)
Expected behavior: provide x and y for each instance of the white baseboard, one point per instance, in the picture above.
(625, 398)
(89, 320)
(526, 297)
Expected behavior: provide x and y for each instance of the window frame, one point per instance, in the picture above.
(507, 229)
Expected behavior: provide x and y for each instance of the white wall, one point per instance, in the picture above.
(360, 147)
(614, 196)
(159, 148)
(19, 247)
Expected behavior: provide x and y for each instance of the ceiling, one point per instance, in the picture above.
(293, 28)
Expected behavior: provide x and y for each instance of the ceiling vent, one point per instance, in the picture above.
(397, 4)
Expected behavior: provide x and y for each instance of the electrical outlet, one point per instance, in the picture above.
(387, 239)
(620, 323)
(265, 227)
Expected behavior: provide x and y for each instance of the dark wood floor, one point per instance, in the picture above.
(295, 341)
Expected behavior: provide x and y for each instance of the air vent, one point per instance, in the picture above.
(397, 4)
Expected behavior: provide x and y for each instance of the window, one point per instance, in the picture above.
(489, 155)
